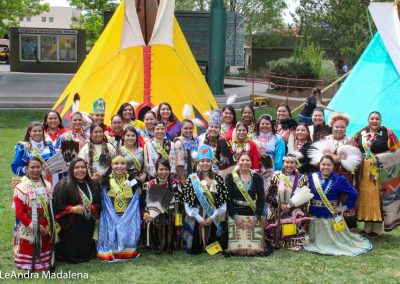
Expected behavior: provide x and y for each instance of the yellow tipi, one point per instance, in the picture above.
(122, 67)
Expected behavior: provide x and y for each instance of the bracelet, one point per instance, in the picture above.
(73, 210)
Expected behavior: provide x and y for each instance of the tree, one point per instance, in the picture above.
(339, 26)
(260, 15)
(11, 10)
(92, 18)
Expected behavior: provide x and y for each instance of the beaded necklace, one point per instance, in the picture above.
(87, 202)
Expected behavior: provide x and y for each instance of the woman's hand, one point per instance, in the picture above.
(339, 209)
(78, 209)
(207, 222)
(284, 207)
(148, 218)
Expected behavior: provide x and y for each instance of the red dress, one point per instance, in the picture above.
(26, 194)
(54, 136)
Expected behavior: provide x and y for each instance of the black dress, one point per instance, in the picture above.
(76, 236)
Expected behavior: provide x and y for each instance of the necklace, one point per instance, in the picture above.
(239, 147)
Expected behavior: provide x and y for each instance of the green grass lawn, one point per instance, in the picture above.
(379, 265)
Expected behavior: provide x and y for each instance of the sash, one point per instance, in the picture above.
(209, 195)
(286, 181)
(135, 160)
(34, 152)
(243, 191)
(160, 150)
(204, 202)
(368, 153)
(338, 223)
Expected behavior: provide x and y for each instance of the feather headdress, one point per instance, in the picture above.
(319, 149)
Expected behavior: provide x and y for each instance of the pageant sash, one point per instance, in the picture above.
(160, 150)
(338, 223)
(287, 182)
(204, 202)
(34, 152)
(243, 191)
(135, 160)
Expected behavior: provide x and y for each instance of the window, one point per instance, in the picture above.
(51, 19)
(43, 19)
(21, 19)
(28, 19)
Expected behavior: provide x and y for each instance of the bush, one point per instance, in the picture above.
(310, 52)
(328, 70)
(293, 67)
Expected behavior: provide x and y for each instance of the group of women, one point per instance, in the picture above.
(243, 188)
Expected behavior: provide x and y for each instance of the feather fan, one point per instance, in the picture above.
(319, 149)
(350, 157)
(301, 196)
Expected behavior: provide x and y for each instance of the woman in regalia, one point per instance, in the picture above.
(119, 226)
(77, 207)
(127, 112)
(298, 144)
(173, 126)
(129, 148)
(205, 196)
(245, 205)
(75, 134)
(147, 133)
(270, 146)
(328, 233)
(318, 128)
(249, 120)
(53, 126)
(35, 234)
(33, 145)
(228, 122)
(287, 193)
(284, 123)
(157, 148)
(372, 140)
(242, 143)
(97, 153)
(116, 131)
(163, 210)
(186, 147)
(342, 147)
(224, 160)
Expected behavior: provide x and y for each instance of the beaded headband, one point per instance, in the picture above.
(119, 158)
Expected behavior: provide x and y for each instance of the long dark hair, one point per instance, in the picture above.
(308, 138)
(287, 108)
(133, 130)
(71, 183)
(104, 147)
(121, 110)
(171, 118)
(250, 107)
(46, 126)
(29, 129)
(232, 110)
(266, 117)
(164, 163)
(31, 159)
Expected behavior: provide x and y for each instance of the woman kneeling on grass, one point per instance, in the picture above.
(328, 231)
(77, 207)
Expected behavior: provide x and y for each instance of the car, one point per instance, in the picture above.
(4, 53)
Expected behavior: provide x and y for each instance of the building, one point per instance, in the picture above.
(56, 18)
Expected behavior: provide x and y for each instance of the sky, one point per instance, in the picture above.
(292, 4)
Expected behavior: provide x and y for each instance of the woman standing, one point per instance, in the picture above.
(116, 131)
(246, 201)
(298, 145)
(281, 188)
(318, 129)
(249, 120)
(205, 198)
(127, 112)
(312, 102)
(148, 131)
(53, 126)
(173, 126)
(75, 134)
(228, 122)
(97, 153)
(328, 232)
(35, 233)
(186, 146)
(157, 148)
(270, 146)
(242, 143)
(372, 140)
(284, 123)
(77, 206)
(164, 207)
(119, 227)
(33, 145)
(133, 153)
